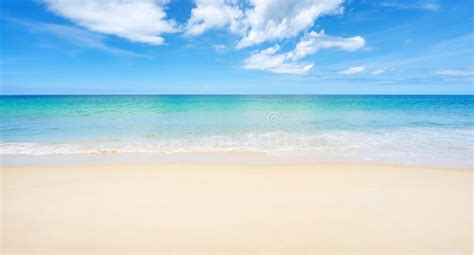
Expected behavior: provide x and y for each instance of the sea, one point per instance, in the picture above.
(384, 129)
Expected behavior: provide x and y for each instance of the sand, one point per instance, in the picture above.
(197, 208)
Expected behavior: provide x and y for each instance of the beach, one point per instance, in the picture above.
(236, 127)
(236, 174)
(236, 208)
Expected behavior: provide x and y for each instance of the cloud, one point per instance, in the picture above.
(379, 71)
(353, 70)
(421, 5)
(276, 20)
(312, 42)
(73, 35)
(268, 60)
(459, 72)
(259, 21)
(289, 62)
(84, 38)
(213, 14)
(139, 21)
(254, 21)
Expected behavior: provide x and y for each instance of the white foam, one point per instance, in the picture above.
(421, 146)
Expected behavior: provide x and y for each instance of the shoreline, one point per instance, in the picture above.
(236, 208)
(211, 158)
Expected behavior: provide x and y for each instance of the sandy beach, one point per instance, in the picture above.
(202, 208)
(328, 127)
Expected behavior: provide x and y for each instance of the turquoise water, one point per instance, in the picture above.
(426, 130)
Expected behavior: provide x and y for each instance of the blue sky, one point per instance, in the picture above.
(237, 47)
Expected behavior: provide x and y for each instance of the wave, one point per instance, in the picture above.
(430, 146)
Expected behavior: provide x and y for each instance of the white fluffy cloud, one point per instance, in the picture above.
(353, 70)
(289, 62)
(259, 21)
(140, 21)
(269, 60)
(255, 21)
(313, 42)
(210, 14)
(274, 20)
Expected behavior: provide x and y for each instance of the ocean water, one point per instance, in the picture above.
(419, 130)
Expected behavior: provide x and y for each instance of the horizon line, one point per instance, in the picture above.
(236, 94)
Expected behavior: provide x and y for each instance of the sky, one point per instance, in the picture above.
(236, 47)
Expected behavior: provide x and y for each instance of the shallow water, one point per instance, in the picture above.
(422, 130)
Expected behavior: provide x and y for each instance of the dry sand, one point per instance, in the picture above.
(236, 209)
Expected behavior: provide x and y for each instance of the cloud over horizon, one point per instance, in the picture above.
(139, 21)
(259, 21)
(237, 46)
(253, 21)
(289, 62)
